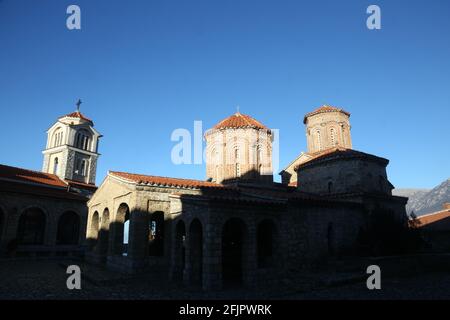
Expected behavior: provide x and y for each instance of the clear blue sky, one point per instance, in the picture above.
(145, 68)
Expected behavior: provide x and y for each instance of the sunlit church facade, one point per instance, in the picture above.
(238, 226)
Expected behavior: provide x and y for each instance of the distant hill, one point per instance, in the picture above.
(423, 201)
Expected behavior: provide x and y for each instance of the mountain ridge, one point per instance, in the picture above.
(424, 201)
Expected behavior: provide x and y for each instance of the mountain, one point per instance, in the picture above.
(423, 201)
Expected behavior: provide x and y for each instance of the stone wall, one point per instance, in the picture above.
(315, 232)
(328, 130)
(13, 205)
(343, 176)
(221, 158)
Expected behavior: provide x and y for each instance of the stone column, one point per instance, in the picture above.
(249, 256)
(51, 227)
(212, 256)
(138, 235)
(187, 271)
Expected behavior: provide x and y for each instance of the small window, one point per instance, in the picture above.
(332, 137)
(55, 166)
(319, 141)
(83, 168)
(236, 154)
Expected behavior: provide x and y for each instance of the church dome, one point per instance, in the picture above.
(239, 120)
(323, 109)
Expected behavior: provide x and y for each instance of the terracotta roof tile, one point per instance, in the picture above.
(24, 175)
(81, 184)
(165, 181)
(239, 120)
(77, 114)
(325, 108)
(429, 218)
(338, 152)
(39, 190)
(19, 180)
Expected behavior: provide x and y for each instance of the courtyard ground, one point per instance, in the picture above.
(46, 279)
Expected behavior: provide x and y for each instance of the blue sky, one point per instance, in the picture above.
(145, 68)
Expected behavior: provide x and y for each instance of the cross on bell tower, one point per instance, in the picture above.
(79, 102)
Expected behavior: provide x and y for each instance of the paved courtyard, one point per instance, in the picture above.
(44, 279)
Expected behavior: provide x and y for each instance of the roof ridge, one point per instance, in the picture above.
(155, 176)
(33, 171)
(23, 175)
(239, 120)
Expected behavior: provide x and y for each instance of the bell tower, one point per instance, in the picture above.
(72, 148)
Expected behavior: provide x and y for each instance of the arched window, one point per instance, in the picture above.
(55, 166)
(332, 137)
(234, 253)
(319, 140)
(237, 157)
(82, 140)
(31, 228)
(238, 169)
(156, 234)
(57, 138)
(121, 231)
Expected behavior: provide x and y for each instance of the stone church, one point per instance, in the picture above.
(238, 226)
(45, 213)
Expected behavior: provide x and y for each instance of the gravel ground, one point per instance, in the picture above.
(43, 279)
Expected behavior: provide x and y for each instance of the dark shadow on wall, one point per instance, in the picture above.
(385, 235)
(250, 176)
(435, 235)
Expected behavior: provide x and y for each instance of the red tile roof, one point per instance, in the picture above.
(429, 218)
(19, 180)
(40, 190)
(77, 114)
(24, 175)
(339, 152)
(165, 181)
(323, 109)
(81, 185)
(239, 120)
